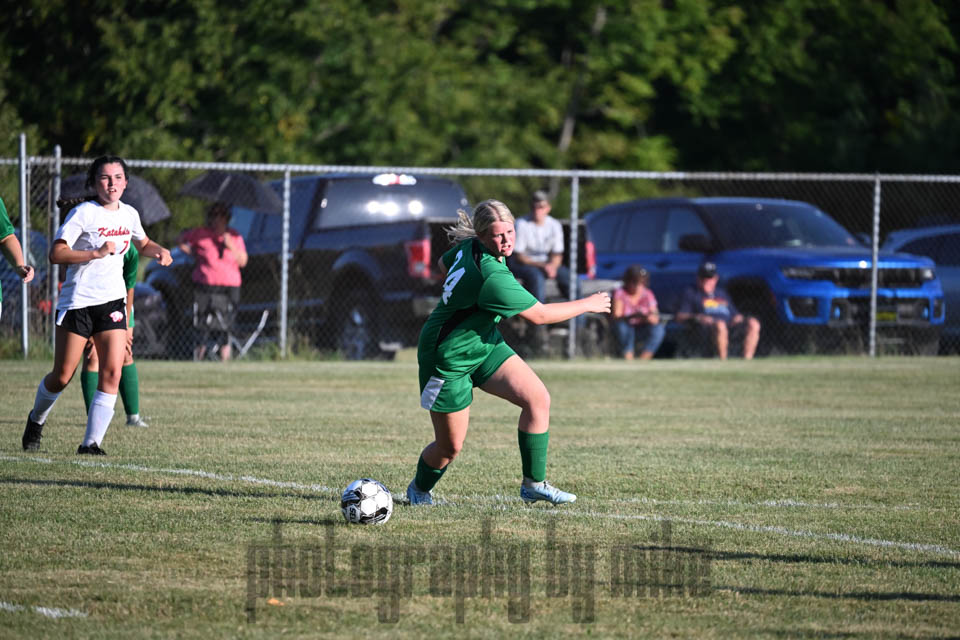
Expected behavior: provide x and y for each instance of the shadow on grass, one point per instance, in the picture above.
(796, 558)
(116, 486)
(853, 595)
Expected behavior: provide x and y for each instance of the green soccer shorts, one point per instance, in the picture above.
(446, 392)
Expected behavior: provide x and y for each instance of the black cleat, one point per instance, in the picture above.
(32, 435)
(91, 450)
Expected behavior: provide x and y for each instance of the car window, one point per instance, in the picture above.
(242, 219)
(949, 254)
(682, 221)
(924, 247)
(761, 224)
(353, 202)
(604, 231)
(644, 230)
(301, 194)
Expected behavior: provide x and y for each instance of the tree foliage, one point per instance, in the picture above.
(812, 85)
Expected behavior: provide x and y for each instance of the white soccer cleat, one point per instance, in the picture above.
(545, 491)
(418, 497)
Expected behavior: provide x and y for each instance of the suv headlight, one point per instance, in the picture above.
(927, 273)
(800, 273)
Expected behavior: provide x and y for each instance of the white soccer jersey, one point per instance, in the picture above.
(86, 228)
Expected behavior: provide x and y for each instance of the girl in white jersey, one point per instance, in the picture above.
(92, 241)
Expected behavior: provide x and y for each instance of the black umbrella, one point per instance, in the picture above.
(234, 189)
(139, 194)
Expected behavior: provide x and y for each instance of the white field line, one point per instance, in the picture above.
(838, 537)
(758, 528)
(50, 612)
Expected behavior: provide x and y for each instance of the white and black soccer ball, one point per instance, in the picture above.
(366, 501)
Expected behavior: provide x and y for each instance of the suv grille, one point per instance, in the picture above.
(855, 278)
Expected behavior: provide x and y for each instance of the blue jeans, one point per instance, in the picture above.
(650, 335)
(534, 280)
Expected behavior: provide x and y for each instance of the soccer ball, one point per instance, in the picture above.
(366, 501)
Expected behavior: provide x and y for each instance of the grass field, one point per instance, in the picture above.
(779, 498)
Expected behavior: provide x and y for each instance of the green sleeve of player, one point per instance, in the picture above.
(131, 265)
(503, 295)
(451, 255)
(6, 227)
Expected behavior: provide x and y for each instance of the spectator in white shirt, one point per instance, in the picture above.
(538, 253)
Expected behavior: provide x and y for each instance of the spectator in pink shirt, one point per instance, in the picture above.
(219, 253)
(635, 315)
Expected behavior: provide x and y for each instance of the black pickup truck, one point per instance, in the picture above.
(362, 266)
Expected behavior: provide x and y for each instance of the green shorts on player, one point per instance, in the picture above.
(460, 346)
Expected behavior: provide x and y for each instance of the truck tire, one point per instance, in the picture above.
(356, 327)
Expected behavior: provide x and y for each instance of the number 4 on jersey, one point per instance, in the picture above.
(452, 279)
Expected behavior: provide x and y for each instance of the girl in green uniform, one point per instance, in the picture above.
(461, 348)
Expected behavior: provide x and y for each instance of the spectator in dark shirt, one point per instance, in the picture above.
(711, 311)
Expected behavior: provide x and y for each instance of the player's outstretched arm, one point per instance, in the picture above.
(559, 311)
(151, 249)
(13, 252)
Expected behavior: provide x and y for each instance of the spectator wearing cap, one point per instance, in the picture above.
(636, 318)
(711, 311)
(538, 252)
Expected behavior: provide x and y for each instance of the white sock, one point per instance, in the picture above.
(43, 403)
(530, 483)
(101, 412)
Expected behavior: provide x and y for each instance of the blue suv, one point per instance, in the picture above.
(804, 276)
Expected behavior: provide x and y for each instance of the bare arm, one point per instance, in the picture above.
(238, 254)
(151, 249)
(559, 311)
(14, 255)
(61, 253)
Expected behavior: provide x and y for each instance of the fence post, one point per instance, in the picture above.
(25, 244)
(54, 271)
(574, 260)
(284, 264)
(875, 243)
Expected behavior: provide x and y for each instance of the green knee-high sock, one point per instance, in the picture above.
(88, 385)
(427, 477)
(533, 454)
(130, 389)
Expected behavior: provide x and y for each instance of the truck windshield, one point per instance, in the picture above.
(361, 202)
(747, 225)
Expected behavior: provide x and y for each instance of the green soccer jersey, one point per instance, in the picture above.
(478, 292)
(131, 265)
(6, 228)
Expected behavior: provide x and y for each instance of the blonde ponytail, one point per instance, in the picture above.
(484, 215)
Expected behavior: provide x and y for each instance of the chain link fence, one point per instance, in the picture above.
(343, 263)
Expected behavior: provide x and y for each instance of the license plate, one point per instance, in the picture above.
(886, 316)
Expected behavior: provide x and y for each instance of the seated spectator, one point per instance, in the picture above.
(636, 319)
(538, 250)
(712, 313)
